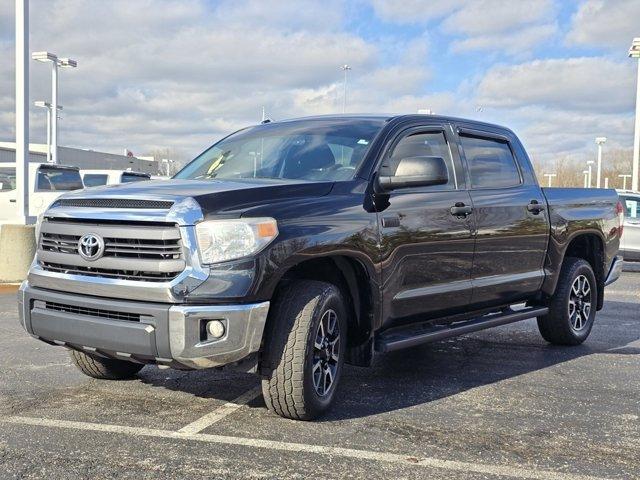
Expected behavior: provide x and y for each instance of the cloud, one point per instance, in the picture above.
(510, 27)
(156, 73)
(609, 23)
(484, 17)
(414, 11)
(575, 84)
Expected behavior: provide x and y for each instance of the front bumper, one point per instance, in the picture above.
(615, 271)
(141, 331)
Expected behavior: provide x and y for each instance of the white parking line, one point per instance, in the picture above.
(221, 412)
(512, 471)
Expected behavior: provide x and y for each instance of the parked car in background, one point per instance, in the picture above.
(97, 178)
(46, 183)
(630, 244)
(289, 248)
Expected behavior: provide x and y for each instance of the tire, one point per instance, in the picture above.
(104, 368)
(572, 310)
(300, 378)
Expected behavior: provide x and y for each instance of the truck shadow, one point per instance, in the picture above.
(434, 371)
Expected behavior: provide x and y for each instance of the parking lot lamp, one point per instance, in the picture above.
(47, 105)
(22, 109)
(549, 177)
(590, 172)
(599, 141)
(624, 181)
(55, 63)
(634, 52)
(346, 68)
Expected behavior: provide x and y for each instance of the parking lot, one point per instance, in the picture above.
(496, 404)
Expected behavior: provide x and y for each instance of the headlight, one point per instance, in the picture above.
(223, 240)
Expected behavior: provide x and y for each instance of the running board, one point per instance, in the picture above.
(412, 335)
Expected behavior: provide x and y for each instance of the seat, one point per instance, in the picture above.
(304, 159)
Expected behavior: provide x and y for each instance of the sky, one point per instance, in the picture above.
(179, 75)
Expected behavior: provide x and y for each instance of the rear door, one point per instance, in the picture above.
(510, 214)
(426, 250)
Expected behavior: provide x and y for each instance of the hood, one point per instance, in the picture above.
(213, 196)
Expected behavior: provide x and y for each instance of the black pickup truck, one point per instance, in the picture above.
(291, 247)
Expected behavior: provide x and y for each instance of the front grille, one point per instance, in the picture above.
(110, 273)
(116, 247)
(132, 251)
(113, 203)
(93, 312)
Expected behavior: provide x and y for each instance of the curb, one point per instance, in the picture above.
(631, 267)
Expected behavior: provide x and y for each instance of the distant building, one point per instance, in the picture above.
(83, 159)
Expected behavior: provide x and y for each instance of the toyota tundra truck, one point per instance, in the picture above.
(290, 248)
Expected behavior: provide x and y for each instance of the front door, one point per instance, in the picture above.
(427, 248)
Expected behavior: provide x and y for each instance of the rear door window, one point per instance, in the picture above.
(51, 179)
(491, 163)
(95, 179)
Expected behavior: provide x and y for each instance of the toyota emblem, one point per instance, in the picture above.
(91, 247)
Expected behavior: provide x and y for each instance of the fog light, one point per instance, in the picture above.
(215, 328)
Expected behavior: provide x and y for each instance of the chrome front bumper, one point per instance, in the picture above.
(162, 334)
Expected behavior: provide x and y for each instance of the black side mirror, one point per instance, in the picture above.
(415, 172)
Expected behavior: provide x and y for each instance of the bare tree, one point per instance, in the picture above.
(615, 162)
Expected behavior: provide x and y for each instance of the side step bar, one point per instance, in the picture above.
(412, 335)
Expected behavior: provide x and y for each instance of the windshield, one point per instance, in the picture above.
(314, 150)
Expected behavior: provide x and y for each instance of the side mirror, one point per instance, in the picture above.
(415, 172)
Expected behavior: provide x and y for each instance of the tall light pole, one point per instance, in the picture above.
(634, 52)
(589, 171)
(599, 141)
(346, 68)
(624, 181)
(47, 105)
(55, 63)
(549, 177)
(22, 109)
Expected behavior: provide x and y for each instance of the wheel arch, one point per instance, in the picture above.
(359, 290)
(588, 245)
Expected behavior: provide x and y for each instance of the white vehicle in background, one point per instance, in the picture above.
(46, 183)
(97, 178)
(630, 242)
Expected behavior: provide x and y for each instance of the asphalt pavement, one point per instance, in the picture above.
(495, 404)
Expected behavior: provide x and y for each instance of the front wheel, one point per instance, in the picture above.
(104, 368)
(304, 351)
(572, 309)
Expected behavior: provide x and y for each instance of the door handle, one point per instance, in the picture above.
(461, 210)
(535, 207)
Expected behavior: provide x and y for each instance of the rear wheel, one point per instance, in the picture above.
(104, 368)
(304, 352)
(572, 309)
